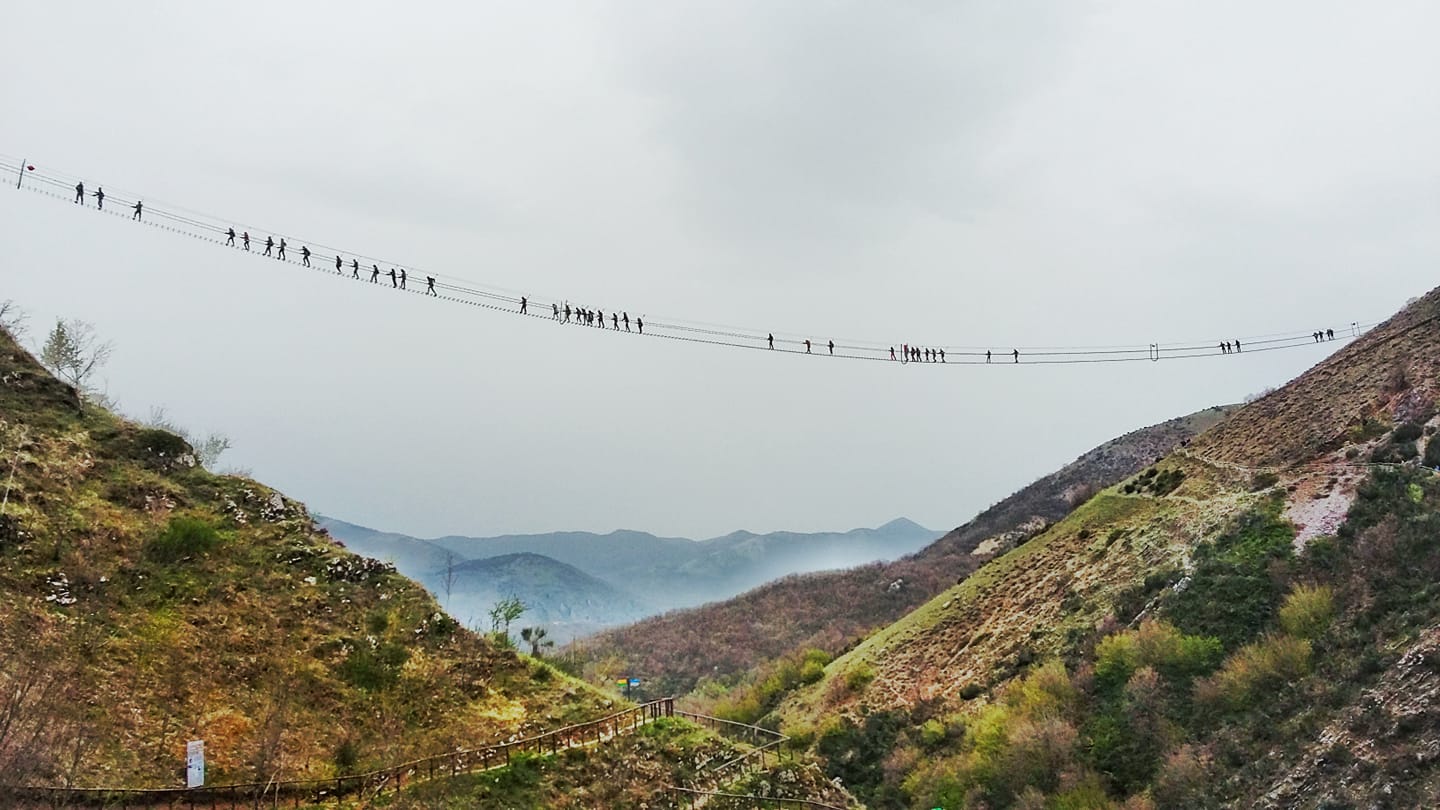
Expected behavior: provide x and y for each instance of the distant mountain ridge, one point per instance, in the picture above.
(624, 575)
(828, 610)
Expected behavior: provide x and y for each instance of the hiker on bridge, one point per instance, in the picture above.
(280, 254)
(355, 268)
(230, 238)
(892, 352)
(770, 338)
(245, 238)
(1224, 348)
(615, 321)
(1237, 346)
(987, 355)
(80, 192)
(625, 316)
(1017, 355)
(832, 347)
(339, 264)
(942, 355)
(374, 274)
(807, 345)
(305, 256)
(403, 278)
(430, 286)
(555, 311)
(99, 196)
(1329, 334)
(639, 325)
(905, 352)
(524, 305)
(393, 281)
(139, 208)
(600, 318)
(269, 246)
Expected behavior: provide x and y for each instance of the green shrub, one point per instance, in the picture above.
(1307, 611)
(812, 672)
(1232, 595)
(1394, 453)
(1432, 453)
(1154, 644)
(859, 676)
(347, 756)
(182, 537)
(1407, 432)
(1254, 672)
(374, 668)
(1263, 481)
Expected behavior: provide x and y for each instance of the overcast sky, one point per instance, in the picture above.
(998, 173)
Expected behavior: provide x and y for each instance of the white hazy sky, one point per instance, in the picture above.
(961, 173)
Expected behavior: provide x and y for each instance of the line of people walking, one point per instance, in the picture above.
(587, 317)
(1322, 335)
(1230, 348)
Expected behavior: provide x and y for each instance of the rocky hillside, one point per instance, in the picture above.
(828, 611)
(147, 602)
(1246, 623)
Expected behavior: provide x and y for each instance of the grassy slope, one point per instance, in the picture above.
(829, 610)
(274, 645)
(1051, 596)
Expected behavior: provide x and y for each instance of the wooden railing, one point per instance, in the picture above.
(739, 800)
(316, 791)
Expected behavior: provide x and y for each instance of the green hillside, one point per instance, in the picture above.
(1247, 623)
(148, 602)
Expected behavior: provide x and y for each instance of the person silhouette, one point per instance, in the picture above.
(80, 192)
(245, 239)
(1329, 334)
(280, 254)
(567, 311)
(832, 347)
(304, 255)
(374, 274)
(625, 316)
(403, 278)
(230, 238)
(987, 355)
(770, 338)
(139, 208)
(99, 196)
(639, 325)
(394, 283)
(807, 345)
(269, 246)
(1017, 355)
(355, 268)
(942, 355)
(905, 351)
(1224, 348)
(615, 321)
(892, 352)
(524, 305)
(430, 286)
(555, 311)
(339, 264)
(1237, 346)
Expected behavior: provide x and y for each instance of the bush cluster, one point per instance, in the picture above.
(182, 537)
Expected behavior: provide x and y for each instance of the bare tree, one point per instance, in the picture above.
(12, 319)
(73, 352)
(449, 581)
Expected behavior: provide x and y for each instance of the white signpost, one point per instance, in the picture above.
(195, 764)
